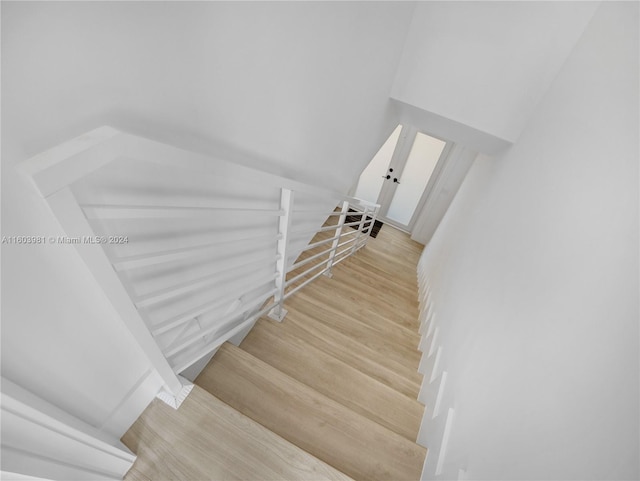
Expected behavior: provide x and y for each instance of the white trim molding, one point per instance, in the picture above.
(40, 440)
(175, 400)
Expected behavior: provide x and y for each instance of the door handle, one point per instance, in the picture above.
(386, 177)
(395, 179)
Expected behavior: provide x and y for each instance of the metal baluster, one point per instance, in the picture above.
(334, 246)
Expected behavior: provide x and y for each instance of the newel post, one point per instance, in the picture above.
(278, 313)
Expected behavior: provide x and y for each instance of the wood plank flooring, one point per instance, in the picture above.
(208, 440)
(351, 443)
(336, 380)
(338, 376)
(394, 374)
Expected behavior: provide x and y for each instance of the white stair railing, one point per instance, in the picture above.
(214, 288)
(252, 305)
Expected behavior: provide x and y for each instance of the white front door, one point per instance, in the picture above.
(398, 176)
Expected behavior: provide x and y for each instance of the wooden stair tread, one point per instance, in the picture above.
(366, 279)
(352, 305)
(358, 331)
(393, 242)
(207, 439)
(339, 291)
(404, 273)
(333, 433)
(404, 284)
(398, 376)
(333, 378)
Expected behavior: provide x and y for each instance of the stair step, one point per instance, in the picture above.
(325, 428)
(404, 271)
(395, 375)
(207, 439)
(333, 378)
(403, 288)
(385, 320)
(388, 258)
(373, 337)
(393, 251)
(344, 290)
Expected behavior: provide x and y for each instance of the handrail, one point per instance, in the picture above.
(219, 302)
(166, 212)
(160, 257)
(271, 306)
(319, 212)
(226, 319)
(320, 254)
(324, 241)
(194, 284)
(177, 325)
(301, 275)
(283, 290)
(314, 231)
(355, 201)
(305, 261)
(211, 346)
(304, 284)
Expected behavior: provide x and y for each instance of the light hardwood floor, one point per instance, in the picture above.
(351, 443)
(336, 380)
(208, 440)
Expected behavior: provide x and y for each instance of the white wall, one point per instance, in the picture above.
(445, 128)
(534, 279)
(444, 189)
(300, 87)
(57, 339)
(40, 441)
(486, 65)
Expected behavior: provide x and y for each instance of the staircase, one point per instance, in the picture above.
(191, 268)
(328, 393)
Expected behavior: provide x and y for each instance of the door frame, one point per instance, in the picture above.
(398, 163)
